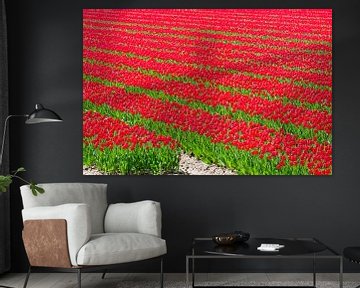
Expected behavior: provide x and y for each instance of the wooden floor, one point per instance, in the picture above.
(115, 280)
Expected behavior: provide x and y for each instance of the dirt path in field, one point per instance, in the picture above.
(92, 171)
(189, 165)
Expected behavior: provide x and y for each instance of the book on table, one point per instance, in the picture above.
(270, 247)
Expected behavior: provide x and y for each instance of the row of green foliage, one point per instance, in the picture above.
(299, 131)
(243, 162)
(139, 161)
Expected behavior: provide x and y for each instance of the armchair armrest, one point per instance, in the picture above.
(138, 217)
(77, 219)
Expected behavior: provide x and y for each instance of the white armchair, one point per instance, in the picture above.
(72, 228)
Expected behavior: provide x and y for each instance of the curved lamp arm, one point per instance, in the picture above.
(39, 115)
(4, 134)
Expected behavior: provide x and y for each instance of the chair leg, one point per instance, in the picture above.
(27, 277)
(161, 273)
(103, 275)
(79, 277)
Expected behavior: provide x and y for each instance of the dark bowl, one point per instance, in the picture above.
(231, 238)
(225, 239)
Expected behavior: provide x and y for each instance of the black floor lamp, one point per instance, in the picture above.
(39, 115)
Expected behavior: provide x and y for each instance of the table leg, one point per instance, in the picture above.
(193, 272)
(314, 271)
(187, 272)
(193, 267)
(341, 273)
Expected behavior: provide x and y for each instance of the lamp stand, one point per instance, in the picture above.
(4, 135)
(2, 152)
(39, 115)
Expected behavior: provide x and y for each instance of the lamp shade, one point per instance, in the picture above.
(42, 115)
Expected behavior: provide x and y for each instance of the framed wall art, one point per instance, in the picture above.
(207, 91)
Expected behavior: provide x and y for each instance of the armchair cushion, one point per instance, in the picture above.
(92, 194)
(138, 217)
(113, 248)
(78, 221)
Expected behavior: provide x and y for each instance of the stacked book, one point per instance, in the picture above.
(270, 247)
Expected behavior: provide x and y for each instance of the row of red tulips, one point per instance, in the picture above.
(199, 55)
(223, 57)
(261, 140)
(130, 35)
(230, 66)
(192, 38)
(273, 110)
(259, 84)
(279, 21)
(300, 43)
(299, 36)
(212, 77)
(116, 147)
(105, 132)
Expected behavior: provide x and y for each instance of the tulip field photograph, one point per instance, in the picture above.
(207, 91)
